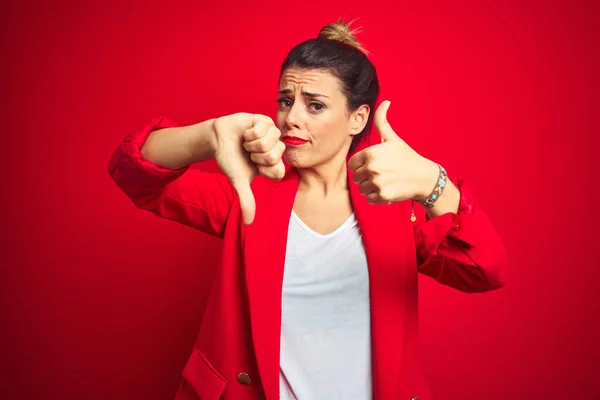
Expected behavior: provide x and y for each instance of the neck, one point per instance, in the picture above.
(326, 179)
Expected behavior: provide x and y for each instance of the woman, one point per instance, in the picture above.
(316, 294)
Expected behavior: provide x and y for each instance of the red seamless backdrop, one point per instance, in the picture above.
(102, 301)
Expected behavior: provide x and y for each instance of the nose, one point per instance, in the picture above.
(294, 115)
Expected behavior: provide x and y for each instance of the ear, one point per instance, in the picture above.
(358, 119)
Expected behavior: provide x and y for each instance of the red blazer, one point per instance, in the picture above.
(236, 355)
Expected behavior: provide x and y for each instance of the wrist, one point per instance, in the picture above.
(213, 139)
(429, 180)
(203, 142)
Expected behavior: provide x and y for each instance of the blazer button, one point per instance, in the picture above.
(244, 378)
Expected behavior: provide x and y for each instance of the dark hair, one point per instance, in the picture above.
(337, 51)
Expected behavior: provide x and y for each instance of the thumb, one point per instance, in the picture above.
(247, 202)
(381, 123)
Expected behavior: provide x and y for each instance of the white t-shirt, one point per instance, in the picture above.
(325, 324)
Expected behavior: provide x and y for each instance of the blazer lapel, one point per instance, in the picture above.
(264, 253)
(382, 236)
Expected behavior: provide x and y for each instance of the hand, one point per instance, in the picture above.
(392, 171)
(248, 145)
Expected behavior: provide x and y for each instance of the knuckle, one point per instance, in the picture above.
(384, 195)
(264, 159)
(265, 122)
(281, 146)
(250, 134)
(272, 158)
(258, 133)
(261, 146)
(376, 182)
(263, 170)
(279, 172)
(373, 166)
(274, 131)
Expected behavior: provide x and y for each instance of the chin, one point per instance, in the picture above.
(293, 159)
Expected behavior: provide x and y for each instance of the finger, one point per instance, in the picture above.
(361, 174)
(381, 123)
(375, 198)
(276, 172)
(247, 201)
(260, 127)
(265, 143)
(368, 187)
(357, 160)
(269, 158)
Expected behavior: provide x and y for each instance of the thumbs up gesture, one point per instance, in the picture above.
(248, 145)
(392, 171)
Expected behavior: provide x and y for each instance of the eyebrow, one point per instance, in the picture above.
(307, 94)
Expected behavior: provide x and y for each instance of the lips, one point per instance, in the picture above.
(294, 141)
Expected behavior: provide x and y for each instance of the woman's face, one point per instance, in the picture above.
(312, 108)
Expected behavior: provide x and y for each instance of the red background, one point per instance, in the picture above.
(102, 301)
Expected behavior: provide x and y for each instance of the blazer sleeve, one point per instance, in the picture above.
(195, 198)
(461, 250)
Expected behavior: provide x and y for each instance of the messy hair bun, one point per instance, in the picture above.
(341, 32)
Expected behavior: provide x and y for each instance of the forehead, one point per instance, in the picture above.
(304, 79)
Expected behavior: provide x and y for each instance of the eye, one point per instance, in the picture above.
(316, 106)
(284, 102)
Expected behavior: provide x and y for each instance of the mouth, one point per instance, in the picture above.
(293, 141)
